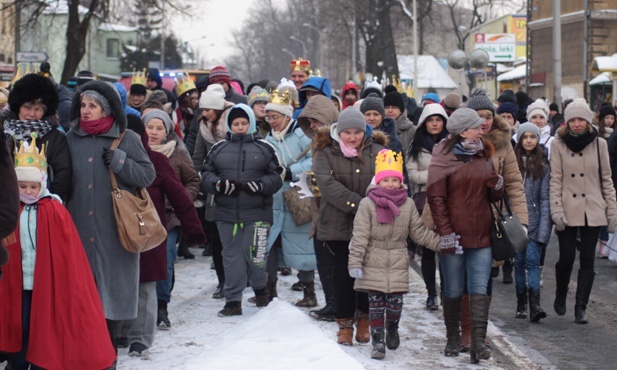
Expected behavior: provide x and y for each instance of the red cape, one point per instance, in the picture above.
(67, 323)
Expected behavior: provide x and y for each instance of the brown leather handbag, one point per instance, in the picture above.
(139, 226)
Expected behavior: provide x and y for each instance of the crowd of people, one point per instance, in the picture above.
(390, 178)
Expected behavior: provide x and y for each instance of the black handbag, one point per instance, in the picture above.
(508, 236)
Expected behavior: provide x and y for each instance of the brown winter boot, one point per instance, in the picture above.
(310, 299)
(465, 325)
(479, 309)
(345, 331)
(363, 333)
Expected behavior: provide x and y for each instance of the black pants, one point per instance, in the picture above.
(568, 245)
(346, 299)
(217, 249)
(429, 265)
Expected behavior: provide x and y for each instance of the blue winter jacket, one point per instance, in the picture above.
(127, 109)
(320, 83)
(538, 206)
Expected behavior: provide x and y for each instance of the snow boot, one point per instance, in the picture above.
(138, 349)
(431, 303)
(583, 290)
(535, 311)
(452, 319)
(310, 299)
(261, 297)
(184, 251)
(233, 308)
(219, 293)
(562, 280)
(162, 319)
(465, 324)
(392, 338)
(379, 347)
(521, 305)
(271, 286)
(363, 334)
(478, 309)
(345, 331)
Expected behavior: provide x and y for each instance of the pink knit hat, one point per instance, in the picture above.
(220, 74)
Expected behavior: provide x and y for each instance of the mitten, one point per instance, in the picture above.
(108, 155)
(227, 187)
(559, 218)
(612, 224)
(253, 187)
(448, 243)
(356, 273)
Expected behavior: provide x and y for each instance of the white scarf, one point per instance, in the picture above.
(167, 149)
(280, 135)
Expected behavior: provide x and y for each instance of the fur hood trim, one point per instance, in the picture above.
(323, 138)
(500, 134)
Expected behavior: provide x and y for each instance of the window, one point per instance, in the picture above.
(113, 46)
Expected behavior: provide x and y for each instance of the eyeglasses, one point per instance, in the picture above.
(275, 117)
(261, 103)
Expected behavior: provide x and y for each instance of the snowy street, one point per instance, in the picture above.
(282, 336)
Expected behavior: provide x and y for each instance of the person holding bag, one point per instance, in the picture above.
(97, 119)
(582, 200)
(461, 177)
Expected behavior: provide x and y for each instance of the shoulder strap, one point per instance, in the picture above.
(599, 163)
(308, 147)
(114, 146)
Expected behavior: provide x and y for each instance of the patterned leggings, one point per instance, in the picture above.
(378, 302)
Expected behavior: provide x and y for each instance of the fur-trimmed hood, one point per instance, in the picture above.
(110, 92)
(324, 139)
(500, 134)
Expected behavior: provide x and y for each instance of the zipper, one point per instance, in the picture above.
(240, 168)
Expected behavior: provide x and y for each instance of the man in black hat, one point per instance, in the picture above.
(155, 82)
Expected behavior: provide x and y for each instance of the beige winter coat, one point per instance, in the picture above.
(417, 171)
(576, 188)
(380, 250)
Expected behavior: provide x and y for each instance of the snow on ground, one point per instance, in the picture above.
(282, 336)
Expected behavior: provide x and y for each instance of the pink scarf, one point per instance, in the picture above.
(387, 203)
(347, 151)
(97, 126)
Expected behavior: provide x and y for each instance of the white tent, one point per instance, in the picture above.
(430, 73)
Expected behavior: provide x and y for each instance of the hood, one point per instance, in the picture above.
(432, 110)
(319, 83)
(154, 74)
(249, 111)
(110, 92)
(324, 137)
(403, 123)
(349, 86)
(500, 134)
(122, 91)
(320, 108)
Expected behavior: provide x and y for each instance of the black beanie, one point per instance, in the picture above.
(237, 113)
(553, 107)
(607, 110)
(395, 99)
(507, 97)
(389, 89)
(137, 89)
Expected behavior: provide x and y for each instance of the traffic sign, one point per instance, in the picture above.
(31, 56)
(499, 52)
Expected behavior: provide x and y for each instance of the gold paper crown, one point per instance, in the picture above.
(388, 160)
(140, 78)
(18, 74)
(283, 98)
(300, 65)
(403, 86)
(185, 83)
(31, 157)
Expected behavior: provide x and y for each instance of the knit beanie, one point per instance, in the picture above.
(553, 107)
(507, 97)
(527, 127)
(479, 101)
(162, 115)
(236, 113)
(434, 97)
(213, 97)
(508, 107)
(284, 109)
(463, 119)
(578, 109)
(452, 101)
(138, 89)
(389, 89)
(607, 110)
(350, 118)
(388, 164)
(372, 103)
(537, 107)
(258, 95)
(394, 99)
(220, 74)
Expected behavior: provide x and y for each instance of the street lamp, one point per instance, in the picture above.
(294, 38)
(320, 43)
(289, 52)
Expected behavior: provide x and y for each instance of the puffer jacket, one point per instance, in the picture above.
(243, 158)
(342, 181)
(538, 204)
(380, 250)
(418, 171)
(504, 161)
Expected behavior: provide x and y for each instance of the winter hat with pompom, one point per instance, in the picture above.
(479, 100)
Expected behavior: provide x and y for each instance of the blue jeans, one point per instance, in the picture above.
(163, 287)
(528, 263)
(472, 267)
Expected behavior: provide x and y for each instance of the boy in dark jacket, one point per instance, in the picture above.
(243, 172)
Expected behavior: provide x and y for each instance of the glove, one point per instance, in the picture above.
(288, 175)
(560, 221)
(356, 273)
(449, 244)
(227, 187)
(108, 155)
(612, 224)
(495, 181)
(253, 187)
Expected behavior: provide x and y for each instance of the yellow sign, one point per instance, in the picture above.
(518, 26)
